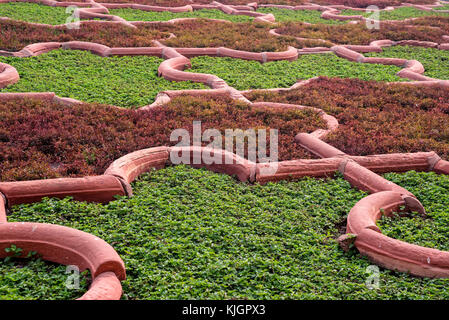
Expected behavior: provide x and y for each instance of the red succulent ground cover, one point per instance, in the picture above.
(375, 117)
(14, 35)
(422, 30)
(366, 3)
(193, 33)
(240, 36)
(44, 140)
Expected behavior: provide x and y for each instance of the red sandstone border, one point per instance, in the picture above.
(107, 268)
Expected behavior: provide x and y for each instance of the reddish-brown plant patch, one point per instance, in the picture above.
(44, 140)
(194, 34)
(15, 34)
(376, 117)
(360, 34)
(366, 3)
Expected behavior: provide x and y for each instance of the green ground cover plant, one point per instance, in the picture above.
(435, 62)
(310, 16)
(243, 74)
(444, 7)
(195, 33)
(193, 234)
(366, 3)
(140, 15)
(33, 12)
(35, 279)
(122, 81)
(431, 231)
(396, 14)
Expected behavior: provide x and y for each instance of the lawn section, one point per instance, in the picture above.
(35, 279)
(396, 14)
(243, 74)
(33, 12)
(435, 62)
(431, 231)
(140, 15)
(193, 234)
(310, 16)
(122, 81)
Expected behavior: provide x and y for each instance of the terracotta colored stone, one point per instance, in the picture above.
(228, 163)
(43, 47)
(194, 52)
(106, 286)
(138, 51)
(290, 54)
(414, 66)
(95, 48)
(62, 245)
(92, 189)
(387, 61)
(359, 48)
(442, 167)
(226, 52)
(3, 205)
(296, 169)
(132, 165)
(381, 43)
(406, 73)
(8, 75)
(347, 54)
(366, 180)
(395, 162)
(45, 96)
(317, 146)
(426, 44)
(401, 256)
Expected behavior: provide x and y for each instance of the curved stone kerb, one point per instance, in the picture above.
(62, 245)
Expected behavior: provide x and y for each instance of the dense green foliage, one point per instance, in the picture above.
(432, 231)
(310, 16)
(32, 12)
(37, 279)
(397, 14)
(192, 234)
(444, 7)
(140, 15)
(435, 62)
(243, 74)
(123, 81)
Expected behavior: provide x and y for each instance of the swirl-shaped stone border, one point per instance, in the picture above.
(69, 246)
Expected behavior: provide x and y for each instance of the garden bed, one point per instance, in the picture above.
(422, 29)
(49, 140)
(376, 118)
(33, 12)
(193, 234)
(121, 81)
(434, 61)
(396, 14)
(243, 75)
(139, 15)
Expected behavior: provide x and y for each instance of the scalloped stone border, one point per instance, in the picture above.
(69, 246)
